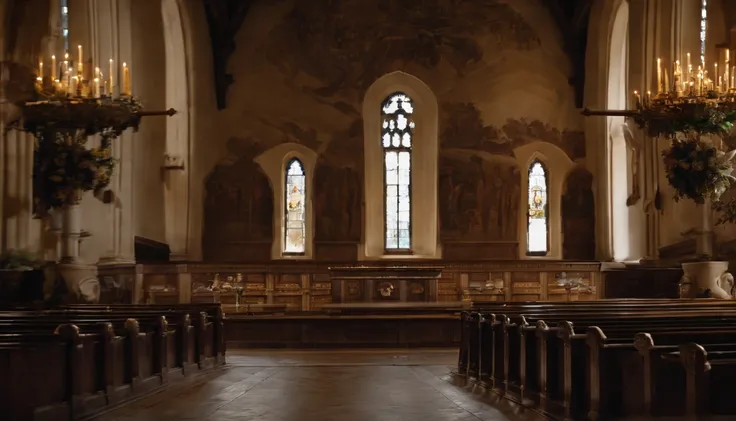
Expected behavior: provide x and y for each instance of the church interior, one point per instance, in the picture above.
(367, 209)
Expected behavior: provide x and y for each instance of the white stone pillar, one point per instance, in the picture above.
(110, 26)
(176, 160)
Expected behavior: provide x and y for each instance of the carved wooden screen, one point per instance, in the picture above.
(397, 128)
(537, 233)
(295, 211)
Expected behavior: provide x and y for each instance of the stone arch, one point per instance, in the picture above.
(176, 158)
(619, 173)
(598, 56)
(557, 164)
(424, 166)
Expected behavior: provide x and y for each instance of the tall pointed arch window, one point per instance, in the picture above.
(537, 234)
(703, 30)
(295, 212)
(396, 137)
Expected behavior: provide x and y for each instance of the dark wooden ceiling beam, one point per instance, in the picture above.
(224, 17)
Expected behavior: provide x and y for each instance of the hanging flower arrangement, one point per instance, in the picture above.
(696, 169)
(65, 168)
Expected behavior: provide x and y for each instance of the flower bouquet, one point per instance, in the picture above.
(696, 169)
(64, 168)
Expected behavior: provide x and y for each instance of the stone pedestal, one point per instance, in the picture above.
(701, 277)
(81, 281)
(80, 278)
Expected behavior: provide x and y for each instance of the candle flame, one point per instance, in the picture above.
(125, 64)
(53, 57)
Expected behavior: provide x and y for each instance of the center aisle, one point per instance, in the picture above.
(355, 385)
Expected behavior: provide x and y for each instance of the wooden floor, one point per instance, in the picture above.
(355, 385)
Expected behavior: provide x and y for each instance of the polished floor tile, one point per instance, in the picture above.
(371, 385)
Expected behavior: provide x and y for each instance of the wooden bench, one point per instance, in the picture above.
(548, 355)
(92, 357)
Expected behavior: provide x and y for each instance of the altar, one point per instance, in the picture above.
(384, 284)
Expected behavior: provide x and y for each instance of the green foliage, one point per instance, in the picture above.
(64, 167)
(700, 117)
(19, 260)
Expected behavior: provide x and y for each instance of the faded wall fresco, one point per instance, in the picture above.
(301, 70)
(238, 208)
(578, 216)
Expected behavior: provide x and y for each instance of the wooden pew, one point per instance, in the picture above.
(100, 356)
(553, 356)
(710, 372)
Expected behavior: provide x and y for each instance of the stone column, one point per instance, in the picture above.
(110, 29)
(176, 160)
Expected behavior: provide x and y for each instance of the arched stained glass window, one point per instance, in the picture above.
(296, 211)
(537, 234)
(397, 128)
(703, 30)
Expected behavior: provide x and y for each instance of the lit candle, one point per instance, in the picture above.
(96, 93)
(126, 79)
(74, 85)
(659, 76)
(112, 82)
(689, 68)
(637, 100)
(716, 76)
(40, 69)
(648, 99)
(80, 66)
(666, 80)
(54, 70)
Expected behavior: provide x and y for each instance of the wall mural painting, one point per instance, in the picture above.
(479, 199)
(463, 128)
(239, 201)
(338, 198)
(578, 216)
(348, 44)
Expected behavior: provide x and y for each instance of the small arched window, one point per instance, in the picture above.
(396, 137)
(296, 208)
(537, 234)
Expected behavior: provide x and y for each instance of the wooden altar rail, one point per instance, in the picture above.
(605, 359)
(305, 286)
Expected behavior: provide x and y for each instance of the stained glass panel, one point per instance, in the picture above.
(537, 230)
(396, 137)
(295, 217)
(703, 29)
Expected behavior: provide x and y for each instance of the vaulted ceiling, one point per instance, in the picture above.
(225, 17)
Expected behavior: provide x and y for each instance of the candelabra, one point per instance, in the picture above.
(65, 106)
